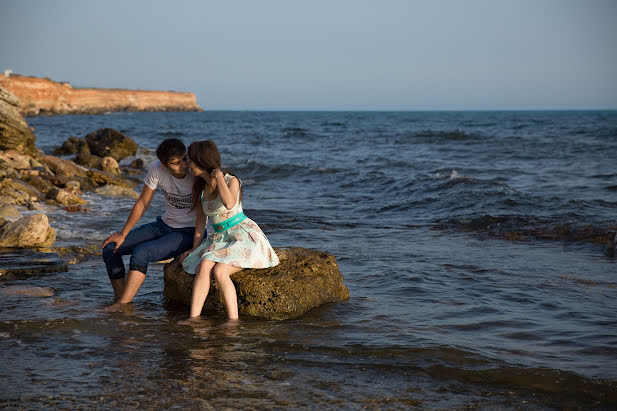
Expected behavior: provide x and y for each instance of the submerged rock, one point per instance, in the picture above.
(20, 264)
(303, 280)
(29, 231)
(29, 291)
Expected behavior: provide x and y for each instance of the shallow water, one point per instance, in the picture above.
(463, 238)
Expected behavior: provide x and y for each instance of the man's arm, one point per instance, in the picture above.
(139, 208)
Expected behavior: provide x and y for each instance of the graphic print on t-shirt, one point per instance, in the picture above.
(179, 201)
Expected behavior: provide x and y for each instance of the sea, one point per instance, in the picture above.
(476, 246)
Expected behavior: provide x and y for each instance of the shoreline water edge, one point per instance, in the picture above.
(480, 265)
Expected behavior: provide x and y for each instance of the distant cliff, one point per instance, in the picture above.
(45, 97)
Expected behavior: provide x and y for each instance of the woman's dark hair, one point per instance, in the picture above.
(170, 148)
(205, 155)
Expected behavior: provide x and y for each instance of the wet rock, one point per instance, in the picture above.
(88, 160)
(73, 145)
(14, 131)
(303, 280)
(17, 160)
(117, 191)
(27, 232)
(38, 182)
(76, 254)
(110, 165)
(9, 212)
(64, 197)
(24, 263)
(107, 142)
(14, 191)
(28, 291)
(65, 168)
(98, 178)
(137, 164)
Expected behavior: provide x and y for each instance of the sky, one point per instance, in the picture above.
(326, 54)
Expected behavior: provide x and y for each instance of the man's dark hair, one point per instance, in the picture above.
(170, 148)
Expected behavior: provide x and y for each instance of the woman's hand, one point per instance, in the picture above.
(216, 174)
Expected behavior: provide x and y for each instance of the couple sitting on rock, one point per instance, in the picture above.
(195, 189)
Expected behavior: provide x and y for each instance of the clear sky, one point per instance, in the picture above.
(326, 54)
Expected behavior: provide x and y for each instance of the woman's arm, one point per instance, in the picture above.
(228, 193)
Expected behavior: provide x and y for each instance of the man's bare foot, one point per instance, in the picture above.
(117, 307)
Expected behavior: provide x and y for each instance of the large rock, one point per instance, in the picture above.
(73, 145)
(65, 168)
(107, 142)
(14, 131)
(28, 232)
(14, 191)
(303, 280)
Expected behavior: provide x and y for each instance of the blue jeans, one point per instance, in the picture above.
(147, 243)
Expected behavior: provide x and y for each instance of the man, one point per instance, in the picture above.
(170, 235)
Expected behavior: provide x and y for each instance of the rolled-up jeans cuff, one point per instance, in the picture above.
(138, 267)
(116, 273)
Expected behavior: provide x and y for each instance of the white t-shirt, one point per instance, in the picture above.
(178, 195)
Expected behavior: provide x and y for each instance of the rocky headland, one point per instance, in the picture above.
(42, 96)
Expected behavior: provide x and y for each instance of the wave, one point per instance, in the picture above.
(528, 227)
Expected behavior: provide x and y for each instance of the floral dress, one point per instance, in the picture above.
(244, 245)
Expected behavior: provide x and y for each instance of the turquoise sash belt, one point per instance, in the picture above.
(230, 222)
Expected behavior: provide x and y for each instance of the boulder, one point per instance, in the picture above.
(72, 145)
(98, 178)
(14, 159)
(27, 232)
(303, 280)
(14, 191)
(107, 142)
(14, 131)
(9, 212)
(64, 197)
(117, 191)
(110, 165)
(65, 168)
(88, 160)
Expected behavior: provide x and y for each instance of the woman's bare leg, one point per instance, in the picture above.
(222, 273)
(201, 286)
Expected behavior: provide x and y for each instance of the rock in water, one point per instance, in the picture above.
(107, 142)
(303, 280)
(24, 263)
(27, 232)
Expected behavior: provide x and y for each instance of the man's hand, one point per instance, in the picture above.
(117, 238)
(184, 255)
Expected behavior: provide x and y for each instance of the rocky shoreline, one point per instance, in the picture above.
(42, 96)
(32, 180)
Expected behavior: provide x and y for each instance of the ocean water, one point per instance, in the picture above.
(474, 246)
